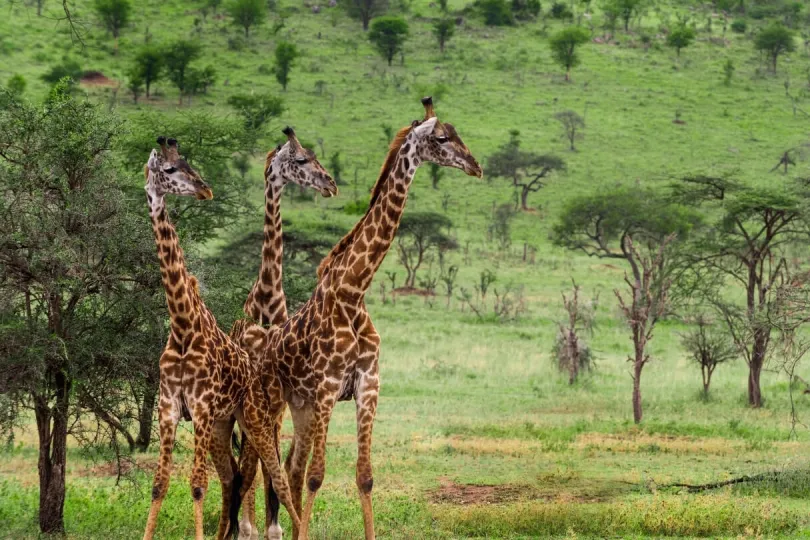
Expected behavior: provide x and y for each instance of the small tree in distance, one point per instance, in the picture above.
(365, 10)
(708, 349)
(570, 349)
(149, 65)
(388, 35)
(114, 15)
(246, 13)
(286, 54)
(256, 109)
(526, 171)
(773, 41)
(572, 124)
(680, 37)
(178, 58)
(564, 47)
(443, 29)
(135, 84)
(419, 233)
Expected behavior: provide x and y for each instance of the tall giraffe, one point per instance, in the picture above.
(204, 375)
(266, 304)
(329, 350)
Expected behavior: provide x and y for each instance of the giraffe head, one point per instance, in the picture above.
(291, 162)
(439, 143)
(167, 172)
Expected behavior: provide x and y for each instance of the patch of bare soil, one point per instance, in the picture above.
(97, 78)
(110, 468)
(464, 494)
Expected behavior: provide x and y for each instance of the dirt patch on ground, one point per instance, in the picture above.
(413, 291)
(108, 469)
(464, 494)
(97, 78)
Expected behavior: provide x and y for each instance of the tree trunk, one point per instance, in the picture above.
(52, 427)
(755, 369)
(148, 84)
(365, 21)
(247, 32)
(573, 357)
(441, 45)
(637, 366)
(524, 195)
(568, 75)
(146, 416)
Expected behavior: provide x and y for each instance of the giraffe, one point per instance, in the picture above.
(329, 350)
(266, 304)
(204, 375)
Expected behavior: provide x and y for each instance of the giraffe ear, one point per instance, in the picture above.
(153, 164)
(425, 128)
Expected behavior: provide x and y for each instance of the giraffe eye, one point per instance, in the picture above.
(441, 140)
(300, 160)
(170, 170)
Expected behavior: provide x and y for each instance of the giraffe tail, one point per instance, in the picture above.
(233, 511)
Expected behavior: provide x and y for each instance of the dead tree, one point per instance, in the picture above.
(571, 350)
(708, 349)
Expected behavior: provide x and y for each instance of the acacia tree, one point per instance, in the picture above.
(286, 54)
(178, 58)
(572, 124)
(564, 47)
(708, 349)
(388, 35)
(443, 29)
(526, 171)
(638, 227)
(114, 14)
(680, 37)
(75, 279)
(746, 247)
(625, 10)
(365, 10)
(149, 65)
(246, 13)
(419, 233)
(773, 41)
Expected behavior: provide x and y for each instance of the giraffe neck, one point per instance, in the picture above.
(179, 286)
(375, 234)
(266, 302)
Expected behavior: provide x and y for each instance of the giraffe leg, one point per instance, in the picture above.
(296, 463)
(317, 465)
(366, 401)
(226, 467)
(203, 431)
(248, 526)
(168, 418)
(263, 439)
(271, 497)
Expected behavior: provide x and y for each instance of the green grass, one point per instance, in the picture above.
(479, 403)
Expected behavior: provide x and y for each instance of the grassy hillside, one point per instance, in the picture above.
(477, 434)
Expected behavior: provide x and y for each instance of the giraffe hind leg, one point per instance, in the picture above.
(168, 418)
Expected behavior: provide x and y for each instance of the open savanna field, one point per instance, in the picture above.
(478, 435)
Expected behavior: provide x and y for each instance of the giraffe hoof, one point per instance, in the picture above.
(246, 531)
(274, 532)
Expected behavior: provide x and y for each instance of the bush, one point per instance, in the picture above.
(525, 9)
(16, 84)
(68, 68)
(496, 12)
(739, 26)
(561, 11)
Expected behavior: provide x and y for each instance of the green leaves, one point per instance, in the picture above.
(564, 47)
(388, 35)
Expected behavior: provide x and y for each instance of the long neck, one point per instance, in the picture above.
(376, 231)
(180, 288)
(266, 302)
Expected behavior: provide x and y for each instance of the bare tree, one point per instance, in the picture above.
(708, 349)
(570, 349)
(572, 124)
(648, 284)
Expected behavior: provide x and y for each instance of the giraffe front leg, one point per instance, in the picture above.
(248, 526)
(203, 432)
(366, 395)
(317, 466)
(227, 470)
(168, 418)
(296, 463)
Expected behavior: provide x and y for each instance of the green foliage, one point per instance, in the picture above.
(774, 40)
(495, 12)
(739, 26)
(624, 10)
(681, 36)
(419, 234)
(135, 84)
(564, 46)
(561, 11)
(444, 29)
(728, 71)
(68, 68)
(525, 9)
(247, 13)
(114, 14)
(149, 66)
(388, 35)
(365, 10)
(286, 54)
(16, 85)
(256, 109)
(177, 59)
(336, 168)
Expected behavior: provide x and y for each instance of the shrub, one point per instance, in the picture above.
(739, 26)
(16, 84)
(496, 12)
(561, 11)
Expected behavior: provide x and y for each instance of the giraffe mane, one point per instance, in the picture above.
(388, 164)
(270, 155)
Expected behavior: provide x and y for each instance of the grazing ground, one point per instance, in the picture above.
(477, 434)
